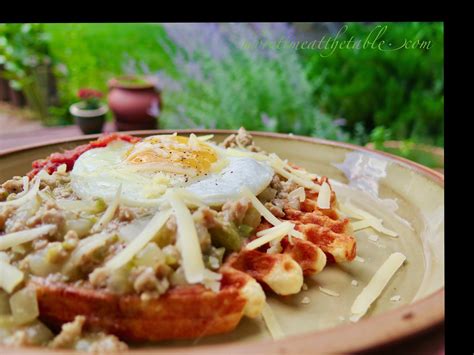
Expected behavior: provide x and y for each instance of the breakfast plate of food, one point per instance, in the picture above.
(215, 241)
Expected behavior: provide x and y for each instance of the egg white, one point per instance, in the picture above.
(218, 188)
(100, 171)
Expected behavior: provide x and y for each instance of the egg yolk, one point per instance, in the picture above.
(170, 152)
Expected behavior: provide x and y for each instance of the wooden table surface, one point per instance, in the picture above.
(432, 342)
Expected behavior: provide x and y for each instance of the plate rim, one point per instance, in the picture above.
(439, 177)
(403, 322)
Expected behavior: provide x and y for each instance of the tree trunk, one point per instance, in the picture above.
(17, 98)
(4, 87)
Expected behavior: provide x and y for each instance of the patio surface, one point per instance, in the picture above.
(16, 131)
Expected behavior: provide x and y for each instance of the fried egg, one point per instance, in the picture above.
(145, 171)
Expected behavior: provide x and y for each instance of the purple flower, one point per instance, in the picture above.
(218, 40)
(166, 83)
(198, 37)
(269, 123)
(154, 109)
(194, 70)
(339, 122)
(212, 124)
(129, 65)
(145, 68)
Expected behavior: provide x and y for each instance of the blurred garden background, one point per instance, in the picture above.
(376, 84)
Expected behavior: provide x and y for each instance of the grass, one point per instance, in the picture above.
(93, 53)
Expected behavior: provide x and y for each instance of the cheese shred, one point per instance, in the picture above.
(109, 212)
(300, 181)
(328, 292)
(265, 212)
(268, 235)
(205, 137)
(366, 219)
(271, 322)
(298, 193)
(13, 239)
(137, 244)
(26, 197)
(282, 168)
(376, 285)
(324, 196)
(375, 224)
(187, 241)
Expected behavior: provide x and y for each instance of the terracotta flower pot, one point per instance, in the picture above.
(135, 103)
(89, 121)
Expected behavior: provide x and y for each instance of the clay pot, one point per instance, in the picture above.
(89, 121)
(135, 103)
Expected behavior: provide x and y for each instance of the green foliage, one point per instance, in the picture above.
(25, 56)
(222, 84)
(23, 47)
(379, 136)
(401, 89)
(90, 99)
(407, 148)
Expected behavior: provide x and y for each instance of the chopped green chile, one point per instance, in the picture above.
(245, 231)
(267, 195)
(226, 235)
(252, 218)
(165, 237)
(92, 207)
(151, 255)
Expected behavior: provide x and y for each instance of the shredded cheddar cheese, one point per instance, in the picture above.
(265, 212)
(324, 196)
(13, 239)
(271, 322)
(109, 212)
(376, 285)
(275, 233)
(187, 241)
(137, 244)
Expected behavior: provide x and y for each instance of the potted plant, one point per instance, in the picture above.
(89, 113)
(135, 102)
